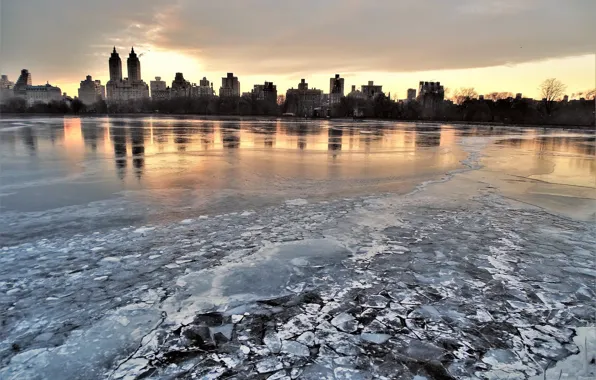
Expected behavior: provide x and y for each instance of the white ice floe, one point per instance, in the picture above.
(297, 202)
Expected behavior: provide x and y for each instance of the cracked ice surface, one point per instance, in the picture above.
(431, 285)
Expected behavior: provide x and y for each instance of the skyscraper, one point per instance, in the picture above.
(336, 89)
(230, 86)
(115, 66)
(6, 88)
(180, 86)
(91, 91)
(336, 85)
(130, 89)
(134, 66)
(411, 94)
(23, 81)
(371, 90)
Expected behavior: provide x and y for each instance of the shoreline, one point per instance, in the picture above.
(291, 119)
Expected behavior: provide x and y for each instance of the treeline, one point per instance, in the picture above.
(241, 106)
(507, 111)
(75, 106)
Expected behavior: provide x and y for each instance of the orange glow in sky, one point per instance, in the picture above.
(578, 73)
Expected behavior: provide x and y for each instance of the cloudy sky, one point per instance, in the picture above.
(492, 45)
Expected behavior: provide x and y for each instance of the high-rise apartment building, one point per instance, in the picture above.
(90, 91)
(371, 90)
(123, 89)
(134, 66)
(230, 86)
(115, 64)
(303, 101)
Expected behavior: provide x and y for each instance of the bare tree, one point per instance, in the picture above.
(464, 93)
(551, 91)
(587, 95)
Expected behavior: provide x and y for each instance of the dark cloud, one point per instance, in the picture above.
(68, 38)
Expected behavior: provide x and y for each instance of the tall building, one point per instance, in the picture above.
(180, 87)
(23, 81)
(5, 83)
(356, 94)
(203, 89)
(430, 94)
(411, 94)
(130, 88)
(336, 85)
(91, 91)
(267, 92)
(115, 66)
(134, 66)
(159, 89)
(303, 101)
(6, 88)
(35, 94)
(204, 82)
(336, 89)
(230, 86)
(42, 94)
(371, 90)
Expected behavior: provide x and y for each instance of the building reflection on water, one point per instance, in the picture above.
(155, 145)
(29, 140)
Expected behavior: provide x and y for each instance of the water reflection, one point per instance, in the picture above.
(335, 138)
(118, 135)
(563, 159)
(29, 140)
(138, 148)
(211, 159)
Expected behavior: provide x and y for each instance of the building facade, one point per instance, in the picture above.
(430, 94)
(134, 66)
(33, 94)
(356, 94)
(303, 101)
(266, 92)
(411, 94)
(230, 86)
(123, 89)
(90, 91)
(22, 83)
(42, 94)
(336, 89)
(115, 64)
(181, 88)
(204, 89)
(159, 89)
(371, 90)
(6, 88)
(5, 83)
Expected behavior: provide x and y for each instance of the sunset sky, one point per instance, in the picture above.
(492, 45)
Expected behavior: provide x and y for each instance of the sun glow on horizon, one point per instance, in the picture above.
(577, 72)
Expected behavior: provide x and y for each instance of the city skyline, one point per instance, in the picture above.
(514, 57)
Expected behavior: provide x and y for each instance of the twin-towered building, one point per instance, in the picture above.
(122, 89)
